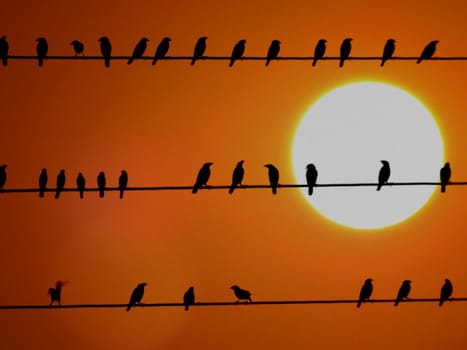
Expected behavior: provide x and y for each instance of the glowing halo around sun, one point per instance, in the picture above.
(347, 133)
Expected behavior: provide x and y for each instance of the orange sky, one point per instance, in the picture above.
(161, 123)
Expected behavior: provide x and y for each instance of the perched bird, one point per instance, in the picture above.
(237, 52)
(273, 51)
(56, 293)
(136, 295)
(139, 50)
(2, 175)
(101, 184)
(320, 49)
(106, 50)
(311, 176)
(446, 291)
(384, 173)
(78, 46)
(428, 51)
(403, 293)
(200, 47)
(41, 49)
(4, 50)
(237, 176)
(241, 294)
(60, 183)
(346, 47)
(43, 178)
(445, 175)
(81, 183)
(203, 177)
(365, 292)
(388, 51)
(189, 298)
(122, 182)
(161, 50)
(273, 174)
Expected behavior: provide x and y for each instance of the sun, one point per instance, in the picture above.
(347, 133)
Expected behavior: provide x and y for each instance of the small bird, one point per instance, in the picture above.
(445, 175)
(78, 47)
(365, 292)
(200, 47)
(311, 176)
(203, 177)
(273, 174)
(161, 50)
(446, 291)
(101, 184)
(384, 174)
(346, 47)
(81, 184)
(428, 51)
(106, 50)
(41, 49)
(189, 298)
(136, 295)
(320, 50)
(241, 294)
(139, 50)
(43, 178)
(237, 176)
(4, 50)
(56, 293)
(122, 182)
(2, 175)
(237, 52)
(388, 51)
(273, 51)
(60, 183)
(404, 291)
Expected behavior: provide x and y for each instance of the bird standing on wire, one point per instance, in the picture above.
(446, 291)
(320, 50)
(60, 183)
(388, 50)
(404, 291)
(241, 294)
(237, 176)
(41, 49)
(311, 177)
(43, 178)
(384, 174)
(189, 298)
(2, 175)
(136, 295)
(203, 177)
(122, 182)
(56, 293)
(106, 50)
(428, 51)
(273, 174)
(101, 184)
(81, 184)
(445, 175)
(345, 49)
(78, 47)
(273, 51)
(365, 292)
(237, 52)
(199, 50)
(4, 50)
(139, 49)
(161, 50)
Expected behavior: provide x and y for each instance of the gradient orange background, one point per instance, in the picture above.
(161, 123)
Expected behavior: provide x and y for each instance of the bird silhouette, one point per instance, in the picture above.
(273, 51)
(60, 183)
(2, 175)
(41, 49)
(404, 291)
(122, 182)
(43, 178)
(237, 176)
(56, 293)
(203, 177)
(161, 50)
(365, 292)
(4, 50)
(237, 52)
(320, 50)
(428, 51)
(101, 184)
(446, 291)
(81, 184)
(78, 47)
(241, 294)
(384, 174)
(311, 176)
(388, 50)
(189, 298)
(136, 295)
(445, 175)
(139, 49)
(106, 50)
(346, 47)
(199, 50)
(273, 174)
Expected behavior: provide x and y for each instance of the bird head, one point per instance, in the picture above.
(124, 172)
(104, 39)
(385, 162)
(434, 42)
(142, 285)
(41, 40)
(323, 41)
(235, 287)
(62, 172)
(203, 38)
(191, 289)
(240, 163)
(243, 41)
(276, 41)
(144, 39)
(75, 42)
(407, 281)
(3, 37)
(3, 167)
(447, 165)
(348, 40)
(447, 280)
(207, 164)
(50, 291)
(310, 166)
(368, 280)
(167, 39)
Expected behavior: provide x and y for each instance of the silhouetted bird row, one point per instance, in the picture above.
(200, 48)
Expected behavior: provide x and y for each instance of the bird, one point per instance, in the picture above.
(346, 47)
(189, 298)
(101, 184)
(388, 50)
(241, 294)
(136, 295)
(273, 174)
(237, 176)
(320, 49)
(384, 173)
(78, 47)
(161, 50)
(311, 176)
(203, 177)
(122, 182)
(41, 49)
(56, 293)
(404, 291)
(43, 178)
(273, 51)
(138, 50)
(2, 175)
(60, 183)
(445, 175)
(446, 291)
(4, 50)
(106, 50)
(237, 52)
(200, 47)
(428, 51)
(81, 183)
(365, 292)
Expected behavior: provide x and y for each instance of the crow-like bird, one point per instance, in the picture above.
(56, 293)
(4, 50)
(161, 50)
(404, 291)
(101, 184)
(60, 183)
(106, 50)
(273, 51)
(78, 47)
(41, 49)
(365, 292)
(446, 291)
(273, 174)
(237, 176)
(241, 294)
(311, 176)
(122, 182)
(384, 174)
(388, 50)
(81, 184)
(2, 175)
(237, 52)
(445, 175)
(203, 177)
(320, 50)
(139, 49)
(136, 295)
(200, 47)
(189, 298)
(345, 49)
(428, 51)
(43, 178)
